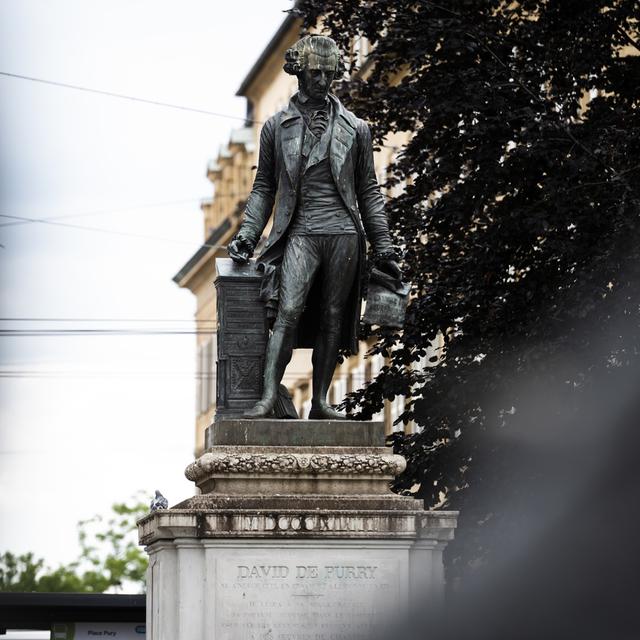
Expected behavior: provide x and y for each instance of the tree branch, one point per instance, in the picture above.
(627, 37)
(480, 40)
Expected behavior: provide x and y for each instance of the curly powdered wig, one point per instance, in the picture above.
(312, 51)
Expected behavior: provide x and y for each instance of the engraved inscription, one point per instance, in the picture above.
(309, 596)
(355, 572)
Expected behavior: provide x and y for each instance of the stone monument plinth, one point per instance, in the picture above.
(294, 536)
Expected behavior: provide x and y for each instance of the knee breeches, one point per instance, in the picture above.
(333, 258)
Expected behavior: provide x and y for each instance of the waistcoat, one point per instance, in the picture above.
(320, 209)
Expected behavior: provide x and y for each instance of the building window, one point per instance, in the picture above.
(361, 48)
(212, 369)
(397, 407)
(206, 375)
(339, 388)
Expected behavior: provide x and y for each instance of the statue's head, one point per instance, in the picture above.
(315, 60)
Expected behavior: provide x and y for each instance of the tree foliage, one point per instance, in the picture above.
(519, 221)
(109, 558)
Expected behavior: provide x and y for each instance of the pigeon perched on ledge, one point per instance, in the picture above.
(159, 502)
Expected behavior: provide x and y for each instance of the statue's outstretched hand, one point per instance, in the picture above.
(240, 249)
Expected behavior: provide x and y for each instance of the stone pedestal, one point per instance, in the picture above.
(294, 536)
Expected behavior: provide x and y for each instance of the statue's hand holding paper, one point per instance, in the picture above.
(387, 295)
(390, 267)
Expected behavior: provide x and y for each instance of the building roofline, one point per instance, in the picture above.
(262, 58)
(215, 235)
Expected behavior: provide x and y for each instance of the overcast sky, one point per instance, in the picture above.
(88, 420)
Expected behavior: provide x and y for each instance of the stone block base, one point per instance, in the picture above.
(285, 587)
(292, 538)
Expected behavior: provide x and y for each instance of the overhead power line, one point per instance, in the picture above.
(100, 212)
(34, 373)
(208, 376)
(122, 96)
(109, 231)
(26, 319)
(157, 103)
(56, 220)
(25, 220)
(37, 333)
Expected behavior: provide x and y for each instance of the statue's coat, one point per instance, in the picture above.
(277, 183)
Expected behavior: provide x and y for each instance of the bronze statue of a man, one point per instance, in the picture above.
(316, 164)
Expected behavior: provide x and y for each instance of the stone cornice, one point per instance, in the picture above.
(380, 464)
(427, 527)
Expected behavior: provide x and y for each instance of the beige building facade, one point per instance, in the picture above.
(267, 89)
